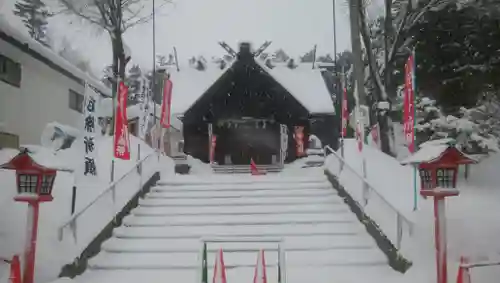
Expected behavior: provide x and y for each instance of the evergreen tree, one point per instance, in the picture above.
(280, 56)
(308, 57)
(134, 82)
(34, 14)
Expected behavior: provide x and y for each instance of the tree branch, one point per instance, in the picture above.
(93, 19)
(405, 26)
(372, 63)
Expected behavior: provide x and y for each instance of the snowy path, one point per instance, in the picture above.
(160, 240)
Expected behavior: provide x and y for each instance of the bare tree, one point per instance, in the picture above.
(401, 16)
(114, 17)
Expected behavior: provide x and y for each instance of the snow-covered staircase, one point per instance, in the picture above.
(243, 169)
(160, 240)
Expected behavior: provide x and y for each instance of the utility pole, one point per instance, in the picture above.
(358, 65)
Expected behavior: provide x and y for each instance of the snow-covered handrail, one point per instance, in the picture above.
(400, 216)
(111, 188)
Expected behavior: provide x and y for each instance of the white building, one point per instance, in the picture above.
(37, 87)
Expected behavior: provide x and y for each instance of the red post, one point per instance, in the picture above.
(31, 237)
(440, 229)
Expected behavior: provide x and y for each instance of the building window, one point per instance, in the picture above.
(10, 71)
(76, 101)
(445, 178)
(426, 179)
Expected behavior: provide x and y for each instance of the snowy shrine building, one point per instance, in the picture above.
(248, 107)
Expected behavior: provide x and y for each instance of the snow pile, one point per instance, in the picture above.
(56, 213)
(472, 225)
(198, 167)
(394, 188)
(50, 55)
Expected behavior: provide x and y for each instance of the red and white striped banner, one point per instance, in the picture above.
(345, 113)
(166, 104)
(122, 140)
(409, 104)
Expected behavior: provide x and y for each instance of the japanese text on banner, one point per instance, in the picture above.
(90, 129)
(145, 99)
(122, 140)
(408, 105)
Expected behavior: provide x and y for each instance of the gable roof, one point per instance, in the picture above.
(433, 152)
(47, 56)
(305, 84)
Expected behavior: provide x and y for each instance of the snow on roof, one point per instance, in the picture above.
(39, 154)
(437, 142)
(50, 55)
(426, 154)
(305, 84)
(430, 153)
(189, 84)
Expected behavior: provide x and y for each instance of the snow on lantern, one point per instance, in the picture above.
(34, 185)
(438, 165)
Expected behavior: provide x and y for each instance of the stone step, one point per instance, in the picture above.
(192, 245)
(105, 260)
(237, 210)
(240, 179)
(316, 274)
(273, 187)
(331, 199)
(240, 220)
(171, 232)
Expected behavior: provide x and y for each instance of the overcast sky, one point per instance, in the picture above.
(195, 26)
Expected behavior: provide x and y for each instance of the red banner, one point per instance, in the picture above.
(299, 140)
(166, 104)
(122, 140)
(212, 148)
(345, 113)
(408, 105)
(359, 137)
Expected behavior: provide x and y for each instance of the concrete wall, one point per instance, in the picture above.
(42, 98)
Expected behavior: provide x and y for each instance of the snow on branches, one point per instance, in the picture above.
(475, 130)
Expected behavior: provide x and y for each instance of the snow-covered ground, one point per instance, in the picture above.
(473, 227)
(52, 254)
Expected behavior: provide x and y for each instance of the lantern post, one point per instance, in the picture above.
(438, 167)
(440, 240)
(34, 186)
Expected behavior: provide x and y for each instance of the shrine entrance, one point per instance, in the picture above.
(240, 140)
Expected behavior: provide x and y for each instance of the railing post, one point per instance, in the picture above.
(365, 184)
(365, 192)
(112, 172)
(73, 199)
(341, 155)
(282, 263)
(399, 230)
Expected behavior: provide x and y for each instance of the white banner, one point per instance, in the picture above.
(145, 104)
(284, 142)
(90, 128)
